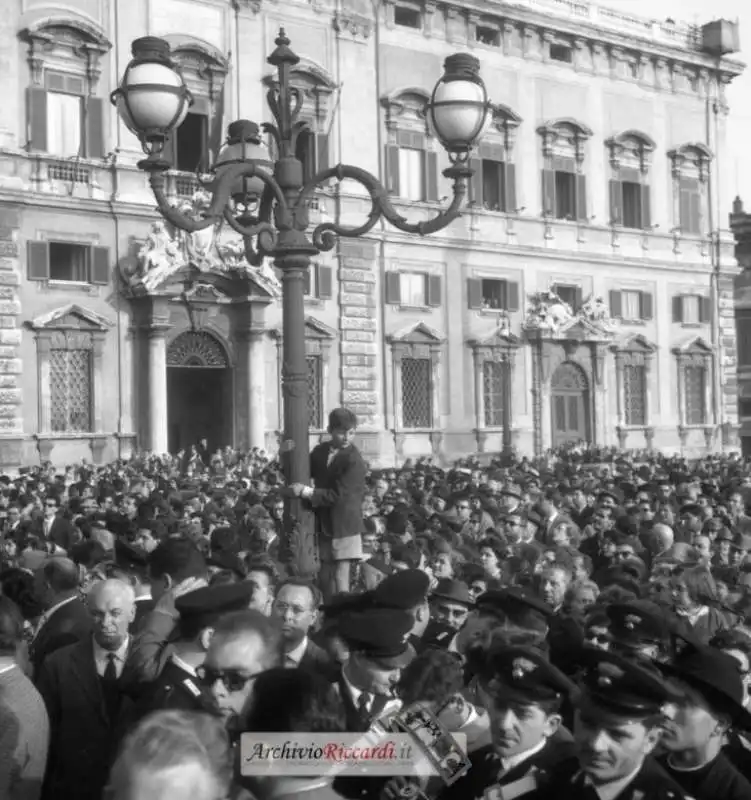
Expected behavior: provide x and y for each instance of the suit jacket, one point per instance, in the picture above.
(62, 533)
(339, 490)
(70, 623)
(143, 606)
(316, 659)
(83, 734)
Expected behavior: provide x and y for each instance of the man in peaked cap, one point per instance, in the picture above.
(523, 694)
(177, 686)
(711, 704)
(638, 629)
(378, 642)
(407, 590)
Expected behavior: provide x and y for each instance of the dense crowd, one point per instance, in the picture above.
(579, 618)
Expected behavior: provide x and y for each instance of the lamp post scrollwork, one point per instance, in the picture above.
(266, 201)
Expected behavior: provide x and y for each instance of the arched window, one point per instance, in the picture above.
(195, 144)
(690, 170)
(564, 183)
(411, 156)
(317, 91)
(65, 117)
(630, 161)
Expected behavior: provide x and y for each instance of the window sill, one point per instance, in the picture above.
(413, 309)
(313, 301)
(493, 312)
(68, 286)
(405, 431)
(43, 437)
(692, 324)
(638, 322)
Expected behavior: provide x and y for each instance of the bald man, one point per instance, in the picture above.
(80, 687)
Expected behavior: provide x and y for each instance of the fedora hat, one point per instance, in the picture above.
(454, 591)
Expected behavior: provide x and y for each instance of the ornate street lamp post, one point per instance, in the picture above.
(267, 203)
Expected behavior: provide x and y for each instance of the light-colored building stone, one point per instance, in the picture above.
(586, 293)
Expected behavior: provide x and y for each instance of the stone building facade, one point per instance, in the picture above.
(586, 294)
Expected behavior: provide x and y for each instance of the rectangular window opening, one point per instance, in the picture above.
(565, 195)
(417, 393)
(70, 391)
(315, 392)
(69, 262)
(413, 289)
(632, 209)
(561, 52)
(695, 384)
(493, 294)
(407, 17)
(494, 390)
(569, 294)
(411, 174)
(493, 185)
(630, 305)
(487, 35)
(634, 391)
(191, 143)
(691, 309)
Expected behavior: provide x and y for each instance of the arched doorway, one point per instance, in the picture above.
(569, 405)
(199, 391)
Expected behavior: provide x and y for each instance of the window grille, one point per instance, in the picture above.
(315, 392)
(71, 391)
(417, 393)
(186, 185)
(634, 394)
(695, 384)
(494, 390)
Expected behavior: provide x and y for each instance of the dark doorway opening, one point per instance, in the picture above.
(199, 392)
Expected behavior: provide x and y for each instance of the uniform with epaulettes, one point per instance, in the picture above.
(176, 689)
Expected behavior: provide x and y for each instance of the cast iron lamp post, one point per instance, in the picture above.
(267, 204)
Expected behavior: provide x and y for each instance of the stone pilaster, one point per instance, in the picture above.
(727, 362)
(11, 400)
(358, 324)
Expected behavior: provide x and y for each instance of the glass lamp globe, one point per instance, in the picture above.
(244, 145)
(152, 99)
(458, 109)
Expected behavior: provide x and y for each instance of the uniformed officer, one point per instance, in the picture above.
(523, 694)
(639, 629)
(711, 704)
(407, 590)
(177, 686)
(618, 724)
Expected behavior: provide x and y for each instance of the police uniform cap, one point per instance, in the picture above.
(690, 508)
(226, 560)
(404, 590)
(345, 603)
(637, 623)
(380, 634)
(203, 607)
(621, 687)
(525, 674)
(511, 600)
(127, 556)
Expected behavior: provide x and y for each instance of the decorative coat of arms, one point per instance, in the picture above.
(165, 252)
(548, 312)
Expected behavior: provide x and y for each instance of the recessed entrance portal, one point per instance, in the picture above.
(569, 405)
(199, 392)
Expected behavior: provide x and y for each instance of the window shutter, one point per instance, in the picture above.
(705, 309)
(37, 261)
(100, 265)
(695, 211)
(474, 293)
(616, 306)
(548, 192)
(678, 308)
(36, 108)
(581, 198)
(430, 176)
(616, 202)
(646, 207)
(393, 288)
(434, 290)
(509, 187)
(308, 280)
(645, 306)
(475, 182)
(324, 282)
(94, 127)
(322, 151)
(578, 299)
(392, 169)
(216, 132)
(512, 296)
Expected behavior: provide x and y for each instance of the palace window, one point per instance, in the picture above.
(68, 262)
(564, 184)
(631, 305)
(70, 359)
(318, 282)
(411, 163)
(561, 52)
(407, 16)
(413, 289)
(743, 329)
(495, 387)
(315, 392)
(694, 363)
(65, 117)
(493, 294)
(692, 309)
(488, 35)
(416, 356)
(630, 156)
(569, 294)
(633, 365)
(493, 359)
(690, 171)
(493, 183)
(318, 340)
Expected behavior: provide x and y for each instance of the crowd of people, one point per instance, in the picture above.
(579, 619)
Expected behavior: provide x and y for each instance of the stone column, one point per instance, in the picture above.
(599, 396)
(253, 374)
(157, 337)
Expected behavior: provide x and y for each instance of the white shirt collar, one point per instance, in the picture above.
(610, 791)
(514, 761)
(298, 652)
(101, 655)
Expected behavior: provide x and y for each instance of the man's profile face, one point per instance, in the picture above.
(231, 666)
(262, 592)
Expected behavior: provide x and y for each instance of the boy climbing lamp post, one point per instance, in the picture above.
(267, 202)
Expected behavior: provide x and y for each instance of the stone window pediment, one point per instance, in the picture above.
(691, 160)
(504, 125)
(501, 344)
(318, 336)
(73, 318)
(406, 108)
(417, 334)
(634, 350)
(203, 66)
(66, 43)
(695, 350)
(316, 88)
(565, 138)
(632, 150)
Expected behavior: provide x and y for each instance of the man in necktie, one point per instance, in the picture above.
(619, 721)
